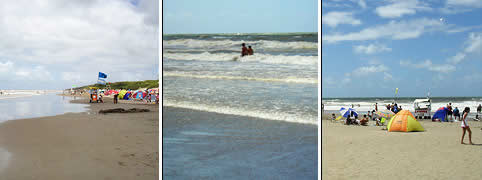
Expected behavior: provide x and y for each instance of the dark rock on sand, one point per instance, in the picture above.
(121, 110)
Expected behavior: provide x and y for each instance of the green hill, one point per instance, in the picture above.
(127, 85)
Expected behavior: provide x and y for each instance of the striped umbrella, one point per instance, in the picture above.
(346, 112)
(385, 113)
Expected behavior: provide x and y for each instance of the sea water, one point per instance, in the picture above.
(279, 82)
(21, 104)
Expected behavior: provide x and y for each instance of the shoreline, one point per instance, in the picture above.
(205, 145)
(84, 145)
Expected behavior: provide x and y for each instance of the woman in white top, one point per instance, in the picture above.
(465, 126)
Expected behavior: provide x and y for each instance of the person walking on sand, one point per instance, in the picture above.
(465, 126)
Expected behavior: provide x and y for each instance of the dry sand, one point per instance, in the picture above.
(83, 145)
(367, 152)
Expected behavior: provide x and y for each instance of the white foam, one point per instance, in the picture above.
(263, 58)
(236, 45)
(250, 113)
(287, 79)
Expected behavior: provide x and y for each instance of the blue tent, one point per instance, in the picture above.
(441, 114)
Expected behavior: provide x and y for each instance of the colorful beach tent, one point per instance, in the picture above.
(122, 93)
(441, 114)
(126, 96)
(346, 112)
(404, 121)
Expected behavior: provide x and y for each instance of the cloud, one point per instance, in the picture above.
(335, 18)
(371, 49)
(82, 37)
(370, 69)
(473, 45)
(400, 8)
(362, 4)
(396, 30)
(427, 64)
(387, 76)
(467, 3)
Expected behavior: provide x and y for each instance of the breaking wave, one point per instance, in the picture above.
(236, 45)
(286, 80)
(263, 58)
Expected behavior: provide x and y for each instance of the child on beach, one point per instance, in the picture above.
(465, 126)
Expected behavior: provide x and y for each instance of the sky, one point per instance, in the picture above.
(55, 44)
(371, 47)
(246, 16)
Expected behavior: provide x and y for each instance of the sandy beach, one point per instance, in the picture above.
(367, 152)
(82, 146)
(206, 145)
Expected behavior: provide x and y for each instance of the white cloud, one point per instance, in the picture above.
(387, 76)
(84, 37)
(371, 49)
(400, 8)
(467, 3)
(370, 69)
(474, 45)
(335, 18)
(396, 30)
(427, 64)
(362, 4)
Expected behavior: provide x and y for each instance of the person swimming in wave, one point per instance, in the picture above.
(244, 50)
(250, 51)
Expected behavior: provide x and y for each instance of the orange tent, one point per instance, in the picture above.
(404, 121)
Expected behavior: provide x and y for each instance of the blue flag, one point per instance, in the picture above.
(102, 75)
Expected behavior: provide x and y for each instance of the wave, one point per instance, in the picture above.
(263, 58)
(280, 116)
(287, 80)
(236, 45)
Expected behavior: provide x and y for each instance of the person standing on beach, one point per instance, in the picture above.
(449, 112)
(115, 98)
(465, 126)
(244, 50)
(479, 108)
(376, 106)
(456, 113)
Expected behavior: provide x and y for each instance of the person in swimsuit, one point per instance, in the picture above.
(244, 50)
(250, 51)
(449, 112)
(465, 126)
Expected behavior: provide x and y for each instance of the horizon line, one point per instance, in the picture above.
(240, 33)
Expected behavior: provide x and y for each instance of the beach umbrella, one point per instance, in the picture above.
(385, 113)
(346, 112)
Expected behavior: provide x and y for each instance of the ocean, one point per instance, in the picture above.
(21, 104)
(368, 103)
(279, 82)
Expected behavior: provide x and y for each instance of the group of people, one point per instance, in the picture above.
(391, 107)
(246, 51)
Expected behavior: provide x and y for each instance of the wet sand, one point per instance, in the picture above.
(83, 145)
(206, 145)
(367, 152)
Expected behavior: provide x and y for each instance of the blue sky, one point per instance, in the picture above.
(246, 16)
(371, 47)
(54, 44)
